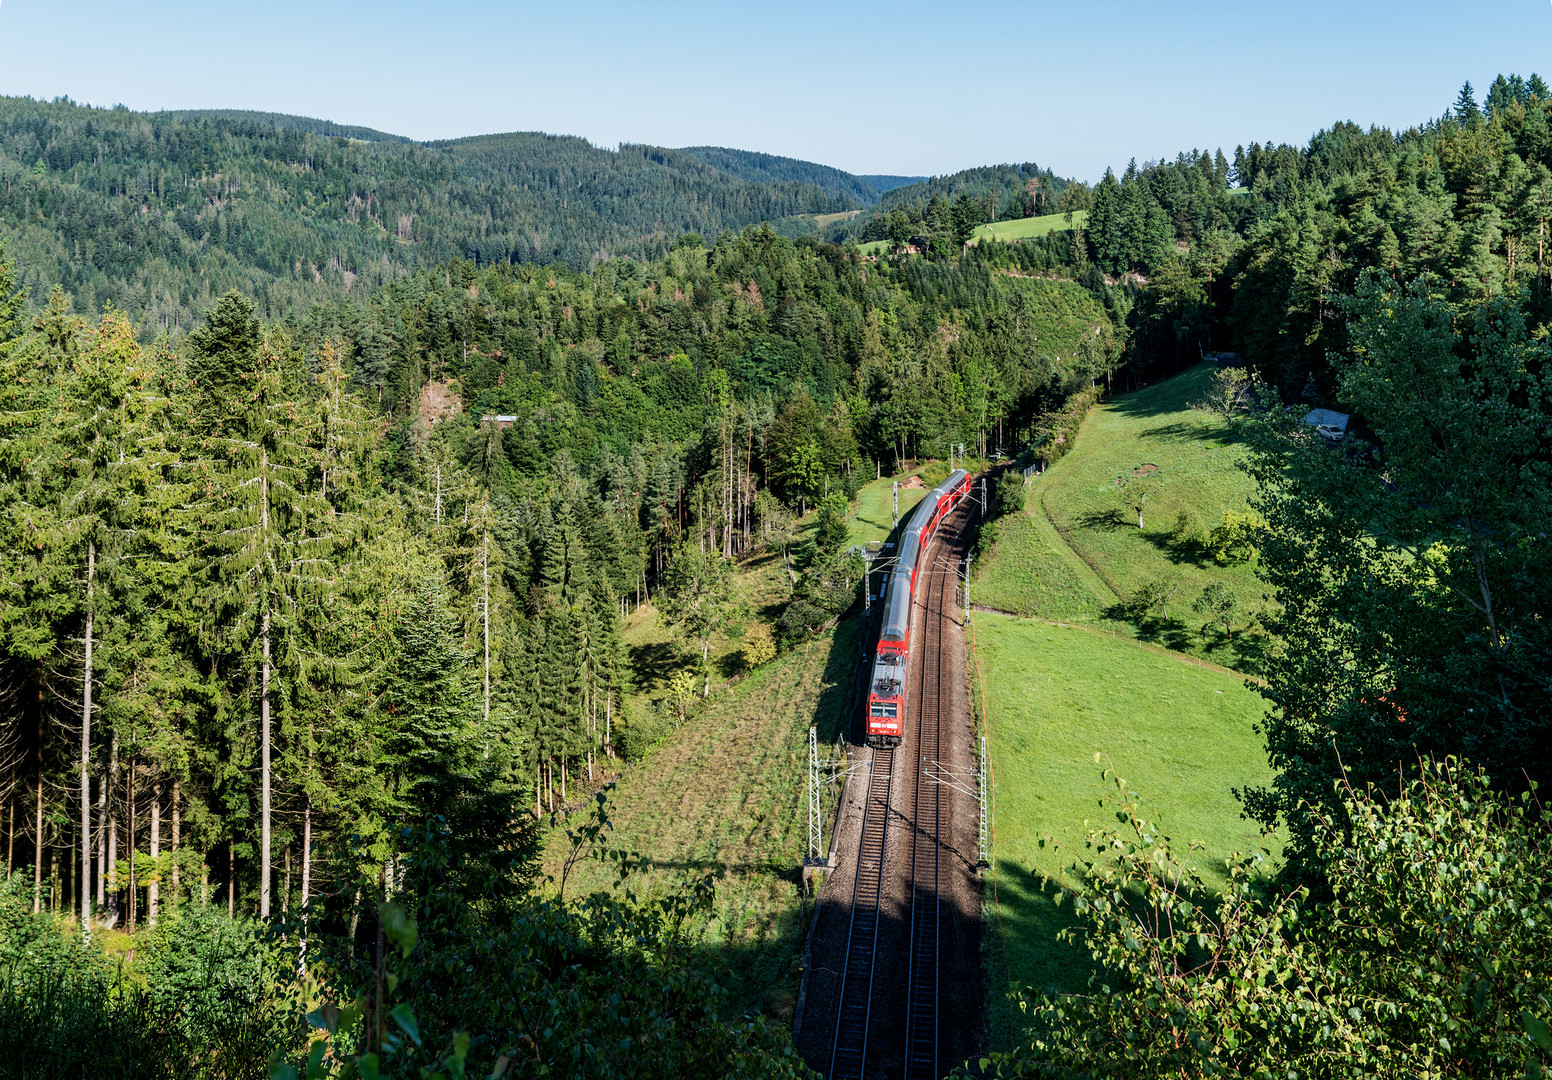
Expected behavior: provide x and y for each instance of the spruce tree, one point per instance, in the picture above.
(1466, 110)
(261, 517)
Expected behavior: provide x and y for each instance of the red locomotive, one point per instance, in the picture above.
(891, 666)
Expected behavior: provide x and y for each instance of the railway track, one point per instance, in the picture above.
(853, 1018)
(857, 1017)
(921, 1009)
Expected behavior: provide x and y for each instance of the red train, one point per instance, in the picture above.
(891, 667)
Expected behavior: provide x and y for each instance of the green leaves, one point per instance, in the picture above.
(399, 926)
(1537, 1029)
(1387, 979)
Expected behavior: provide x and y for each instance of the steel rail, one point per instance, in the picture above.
(853, 1015)
(922, 983)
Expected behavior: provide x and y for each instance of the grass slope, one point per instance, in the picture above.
(1076, 550)
(725, 795)
(1026, 228)
(873, 518)
(1180, 733)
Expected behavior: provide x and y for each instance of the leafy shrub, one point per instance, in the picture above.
(831, 533)
(203, 968)
(1009, 498)
(1187, 528)
(36, 949)
(1237, 539)
(1429, 961)
(521, 983)
(645, 729)
(758, 651)
(828, 587)
(66, 1009)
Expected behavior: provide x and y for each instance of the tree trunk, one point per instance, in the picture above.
(153, 889)
(86, 747)
(485, 585)
(307, 880)
(264, 823)
(231, 881)
(177, 821)
(264, 829)
(115, 911)
(307, 852)
(129, 782)
(102, 846)
(37, 837)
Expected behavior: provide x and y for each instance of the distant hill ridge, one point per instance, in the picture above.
(158, 213)
(753, 165)
(323, 128)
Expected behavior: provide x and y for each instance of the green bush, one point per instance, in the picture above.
(1187, 528)
(1010, 492)
(204, 968)
(1237, 539)
(645, 729)
(67, 1010)
(827, 588)
(831, 533)
(1430, 960)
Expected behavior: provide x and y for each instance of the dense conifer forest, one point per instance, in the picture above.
(161, 213)
(333, 465)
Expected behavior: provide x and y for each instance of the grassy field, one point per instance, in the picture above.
(725, 795)
(1180, 733)
(1031, 571)
(1077, 550)
(873, 515)
(1025, 228)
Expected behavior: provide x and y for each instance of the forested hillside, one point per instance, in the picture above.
(368, 566)
(161, 213)
(311, 611)
(749, 165)
(1400, 277)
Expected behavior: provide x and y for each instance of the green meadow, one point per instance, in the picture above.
(1181, 733)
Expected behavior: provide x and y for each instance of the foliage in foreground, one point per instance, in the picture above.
(195, 1005)
(1411, 572)
(1429, 962)
(515, 982)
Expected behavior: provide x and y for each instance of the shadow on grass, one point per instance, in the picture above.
(1111, 517)
(1181, 549)
(1173, 394)
(730, 664)
(1172, 633)
(1031, 922)
(1246, 651)
(1220, 435)
(654, 663)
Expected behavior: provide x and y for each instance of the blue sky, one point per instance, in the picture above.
(871, 87)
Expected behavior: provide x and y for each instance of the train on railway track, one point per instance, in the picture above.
(890, 682)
